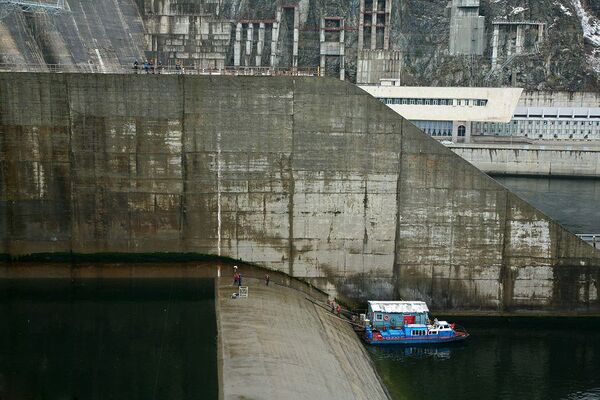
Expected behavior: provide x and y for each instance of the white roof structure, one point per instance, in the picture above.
(395, 307)
(500, 102)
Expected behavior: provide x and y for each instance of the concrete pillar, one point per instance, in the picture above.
(520, 39)
(296, 37)
(541, 33)
(455, 125)
(361, 26)
(237, 46)
(249, 40)
(386, 31)
(469, 128)
(342, 51)
(275, 38)
(261, 43)
(323, 56)
(374, 25)
(495, 45)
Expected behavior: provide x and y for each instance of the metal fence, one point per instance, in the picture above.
(168, 69)
(591, 238)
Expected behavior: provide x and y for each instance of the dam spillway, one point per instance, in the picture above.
(311, 177)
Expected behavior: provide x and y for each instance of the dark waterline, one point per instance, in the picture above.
(499, 361)
(574, 203)
(108, 339)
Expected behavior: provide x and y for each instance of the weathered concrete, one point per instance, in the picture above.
(277, 345)
(99, 36)
(578, 160)
(308, 176)
(467, 28)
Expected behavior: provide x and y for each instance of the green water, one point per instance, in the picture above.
(499, 361)
(108, 339)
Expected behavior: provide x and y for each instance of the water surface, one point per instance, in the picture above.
(108, 339)
(574, 203)
(498, 362)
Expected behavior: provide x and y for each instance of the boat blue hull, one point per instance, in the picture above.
(417, 340)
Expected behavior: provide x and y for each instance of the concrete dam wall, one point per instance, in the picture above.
(87, 35)
(545, 160)
(308, 176)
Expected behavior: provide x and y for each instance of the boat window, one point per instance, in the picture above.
(378, 317)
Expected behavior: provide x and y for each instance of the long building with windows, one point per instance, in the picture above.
(547, 123)
(448, 113)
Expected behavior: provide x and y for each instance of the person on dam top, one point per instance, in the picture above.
(267, 279)
(136, 65)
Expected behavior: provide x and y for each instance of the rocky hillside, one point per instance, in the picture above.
(112, 33)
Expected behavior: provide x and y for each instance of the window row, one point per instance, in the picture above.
(434, 102)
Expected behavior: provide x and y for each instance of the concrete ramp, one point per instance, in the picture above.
(308, 176)
(276, 344)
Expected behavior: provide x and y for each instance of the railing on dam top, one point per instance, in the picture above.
(157, 70)
(591, 238)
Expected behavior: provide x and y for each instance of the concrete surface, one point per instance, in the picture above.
(308, 176)
(555, 159)
(91, 35)
(277, 345)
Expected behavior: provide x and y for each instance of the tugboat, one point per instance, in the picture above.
(406, 322)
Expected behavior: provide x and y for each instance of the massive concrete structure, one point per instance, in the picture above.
(189, 32)
(467, 28)
(91, 36)
(549, 159)
(304, 175)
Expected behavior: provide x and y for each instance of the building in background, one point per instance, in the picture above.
(460, 114)
(448, 113)
(550, 116)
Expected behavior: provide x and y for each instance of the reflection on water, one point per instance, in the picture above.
(107, 339)
(404, 353)
(500, 362)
